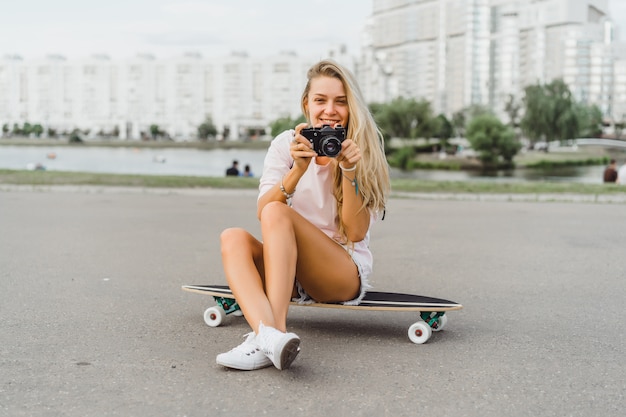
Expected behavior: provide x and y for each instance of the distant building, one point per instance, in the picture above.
(618, 110)
(463, 52)
(242, 95)
(453, 53)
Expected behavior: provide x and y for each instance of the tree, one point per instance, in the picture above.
(427, 124)
(475, 110)
(285, 123)
(494, 141)
(590, 120)
(445, 128)
(155, 131)
(37, 129)
(27, 129)
(394, 118)
(619, 127)
(207, 129)
(512, 109)
(75, 137)
(458, 122)
(549, 112)
(406, 118)
(461, 118)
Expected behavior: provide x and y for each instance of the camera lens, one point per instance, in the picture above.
(330, 146)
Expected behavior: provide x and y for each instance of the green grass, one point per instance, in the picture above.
(47, 178)
(504, 187)
(568, 163)
(124, 180)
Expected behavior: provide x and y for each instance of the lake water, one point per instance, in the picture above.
(213, 163)
(167, 161)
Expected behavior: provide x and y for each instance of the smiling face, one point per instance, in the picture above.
(326, 103)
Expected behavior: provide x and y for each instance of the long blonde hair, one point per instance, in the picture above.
(372, 172)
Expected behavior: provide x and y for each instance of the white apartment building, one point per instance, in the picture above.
(242, 95)
(455, 53)
(568, 39)
(619, 82)
(425, 49)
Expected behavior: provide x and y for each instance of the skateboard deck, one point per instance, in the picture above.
(431, 310)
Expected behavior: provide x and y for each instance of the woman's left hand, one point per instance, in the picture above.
(350, 154)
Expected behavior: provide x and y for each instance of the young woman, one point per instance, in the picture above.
(315, 214)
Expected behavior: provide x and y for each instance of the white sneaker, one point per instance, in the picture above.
(281, 348)
(246, 357)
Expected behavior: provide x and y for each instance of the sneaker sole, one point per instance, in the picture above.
(289, 353)
(239, 367)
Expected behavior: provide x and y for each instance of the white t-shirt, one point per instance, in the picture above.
(313, 198)
(621, 175)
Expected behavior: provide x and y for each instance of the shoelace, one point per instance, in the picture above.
(247, 347)
(266, 341)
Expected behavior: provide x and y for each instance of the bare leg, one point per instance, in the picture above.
(280, 253)
(261, 275)
(242, 258)
(292, 246)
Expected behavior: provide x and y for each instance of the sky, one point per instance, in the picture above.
(164, 28)
(167, 28)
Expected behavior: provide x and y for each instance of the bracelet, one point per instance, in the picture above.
(287, 195)
(347, 169)
(353, 182)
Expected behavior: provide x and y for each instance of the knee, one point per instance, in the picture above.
(232, 239)
(273, 212)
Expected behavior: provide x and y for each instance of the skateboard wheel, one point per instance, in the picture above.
(441, 323)
(420, 332)
(213, 316)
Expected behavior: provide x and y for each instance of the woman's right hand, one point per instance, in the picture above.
(301, 149)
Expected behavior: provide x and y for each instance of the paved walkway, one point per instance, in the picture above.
(530, 197)
(93, 321)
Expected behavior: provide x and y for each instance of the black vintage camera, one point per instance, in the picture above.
(326, 140)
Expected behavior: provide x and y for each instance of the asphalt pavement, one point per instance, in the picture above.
(93, 321)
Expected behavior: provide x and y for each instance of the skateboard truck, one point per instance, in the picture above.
(214, 316)
(433, 319)
(228, 304)
(429, 322)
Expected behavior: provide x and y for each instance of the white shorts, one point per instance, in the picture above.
(305, 298)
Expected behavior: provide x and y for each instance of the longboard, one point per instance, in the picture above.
(432, 310)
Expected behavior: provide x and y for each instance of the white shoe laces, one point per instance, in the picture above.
(247, 347)
(265, 340)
